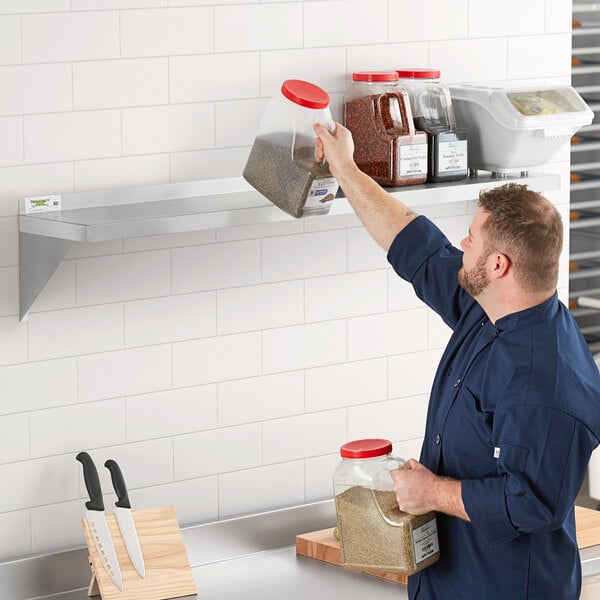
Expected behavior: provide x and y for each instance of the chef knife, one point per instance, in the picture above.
(125, 518)
(97, 520)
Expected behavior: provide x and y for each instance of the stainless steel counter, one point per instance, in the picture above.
(250, 557)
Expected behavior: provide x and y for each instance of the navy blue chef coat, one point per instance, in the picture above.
(514, 413)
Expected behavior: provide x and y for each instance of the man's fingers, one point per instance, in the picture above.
(321, 130)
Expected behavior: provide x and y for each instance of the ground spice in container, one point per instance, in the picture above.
(433, 113)
(375, 535)
(383, 145)
(447, 150)
(283, 168)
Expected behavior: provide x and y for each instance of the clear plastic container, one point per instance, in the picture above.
(282, 164)
(386, 145)
(433, 112)
(375, 535)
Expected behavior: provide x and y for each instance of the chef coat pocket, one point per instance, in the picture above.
(467, 437)
(512, 459)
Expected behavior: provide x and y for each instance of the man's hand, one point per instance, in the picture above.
(419, 491)
(382, 215)
(337, 148)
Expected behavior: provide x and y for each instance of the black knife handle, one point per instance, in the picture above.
(92, 482)
(118, 482)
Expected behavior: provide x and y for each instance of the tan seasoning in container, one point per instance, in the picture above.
(375, 535)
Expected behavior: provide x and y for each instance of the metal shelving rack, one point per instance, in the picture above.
(584, 251)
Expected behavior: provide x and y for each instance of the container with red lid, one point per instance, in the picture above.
(432, 111)
(375, 535)
(282, 164)
(386, 146)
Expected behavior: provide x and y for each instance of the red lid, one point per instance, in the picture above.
(305, 93)
(419, 73)
(366, 448)
(375, 76)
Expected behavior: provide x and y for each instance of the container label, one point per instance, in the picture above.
(452, 156)
(35, 204)
(413, 159)
(425, 541)
(321, 195)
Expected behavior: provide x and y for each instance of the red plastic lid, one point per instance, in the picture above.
(366, 448)
(375, 76)
(419, 73)
(305, 93)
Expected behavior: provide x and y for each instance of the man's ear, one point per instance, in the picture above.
(500, 266)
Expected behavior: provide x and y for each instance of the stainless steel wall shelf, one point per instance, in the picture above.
(46, 236)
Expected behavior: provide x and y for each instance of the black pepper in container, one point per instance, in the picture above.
(386, 146)
(375, 535)
(433, 112)
(282, 164)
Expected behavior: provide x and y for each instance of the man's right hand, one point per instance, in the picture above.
(337, 148)
(382, 215)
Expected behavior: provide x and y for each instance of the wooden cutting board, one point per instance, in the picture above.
(322, 545)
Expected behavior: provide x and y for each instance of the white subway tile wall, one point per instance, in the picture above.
(9, 291)
(228, 359)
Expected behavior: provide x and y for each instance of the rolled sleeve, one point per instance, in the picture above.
(422, 255)
(484, 503)
(538, 479)
(419, 240)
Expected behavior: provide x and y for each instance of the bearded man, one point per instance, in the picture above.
(514, 410)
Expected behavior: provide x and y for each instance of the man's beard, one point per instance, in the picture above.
(475, 280)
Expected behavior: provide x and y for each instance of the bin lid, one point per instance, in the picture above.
(531, 107)
(368, 448)
(305, 93)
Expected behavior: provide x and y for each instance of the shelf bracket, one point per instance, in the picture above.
(39, 256)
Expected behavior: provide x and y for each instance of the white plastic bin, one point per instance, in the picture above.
(514, 128)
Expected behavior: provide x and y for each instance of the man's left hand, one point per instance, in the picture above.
(418, 491)
(415, 487)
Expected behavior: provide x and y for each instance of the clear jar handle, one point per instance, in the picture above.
(383, 478)
(329, 124)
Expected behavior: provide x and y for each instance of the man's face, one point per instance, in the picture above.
(472, 276)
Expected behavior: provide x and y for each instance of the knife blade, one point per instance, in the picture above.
(97, 521)
(125, 518)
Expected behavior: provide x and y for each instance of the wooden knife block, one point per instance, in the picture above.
(168, 572)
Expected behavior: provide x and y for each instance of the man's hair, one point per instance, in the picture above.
(527, 228)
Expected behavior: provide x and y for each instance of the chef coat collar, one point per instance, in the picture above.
(530, 316)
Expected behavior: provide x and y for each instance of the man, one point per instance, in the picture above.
(514, 411)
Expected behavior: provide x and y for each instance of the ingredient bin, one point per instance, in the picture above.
(514, 127)
(386, 145)
(375, 535)
(282, 164)
(432, 111)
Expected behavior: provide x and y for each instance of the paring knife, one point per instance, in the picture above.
(97, 520)
(125, 518)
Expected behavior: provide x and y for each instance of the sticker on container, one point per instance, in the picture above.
(452, 156)
(321, 194)
(413, 159)
(42, 203)
(425, 541)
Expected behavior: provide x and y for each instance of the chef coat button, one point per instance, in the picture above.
(457, 382)
(438, 439)
(482, 323)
